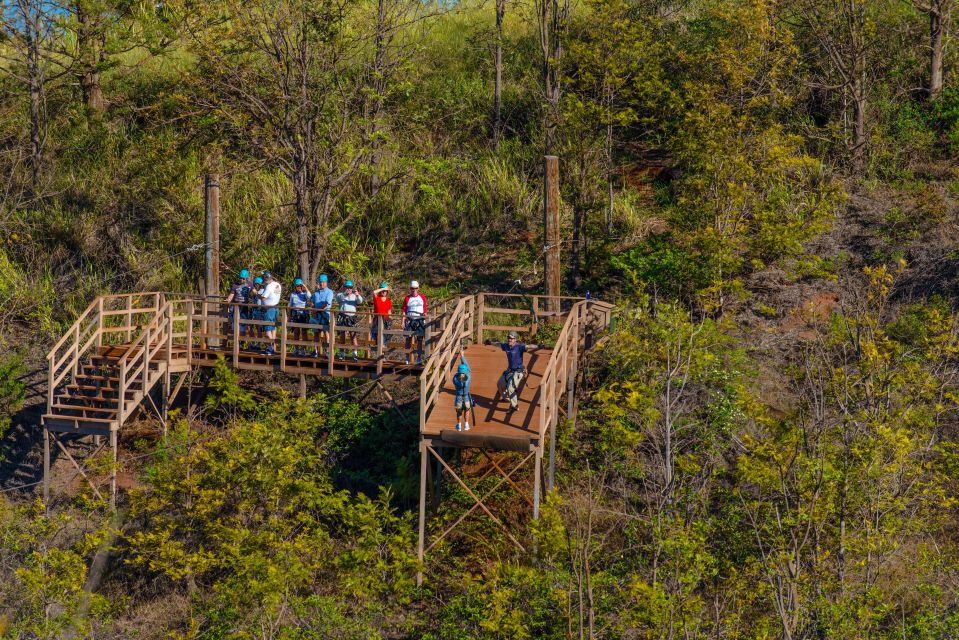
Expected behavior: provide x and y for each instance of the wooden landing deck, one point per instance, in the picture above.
(487, 363)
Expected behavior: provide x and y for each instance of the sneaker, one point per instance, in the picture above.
(406, 360)
(269, 351)
(339, 356)
(316, 354)
(355, 358)
(459, 427)
(466, 426)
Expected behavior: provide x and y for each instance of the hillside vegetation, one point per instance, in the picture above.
(767, 445)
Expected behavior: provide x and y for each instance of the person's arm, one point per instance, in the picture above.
(406, 302)
(230, 296)
(424, 303)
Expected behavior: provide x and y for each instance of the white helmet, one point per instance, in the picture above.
(414, 284)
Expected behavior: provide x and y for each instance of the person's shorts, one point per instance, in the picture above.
(321, 318)
(269, 315)
(416, 325)
(245, 313)
(257, 314)
(462, 402)
(299, 317)
(344, 320)
(387, 325)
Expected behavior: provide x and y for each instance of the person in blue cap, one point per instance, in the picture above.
(238, 296)
(299, 298)
(255, 313)
(348, 301)
(269, 301)
(322, 300)
(508, 383)
(463, 401)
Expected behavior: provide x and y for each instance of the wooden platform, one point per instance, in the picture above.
(307, 365)
(487, 363)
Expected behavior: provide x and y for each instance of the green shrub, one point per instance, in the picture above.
(12, 389)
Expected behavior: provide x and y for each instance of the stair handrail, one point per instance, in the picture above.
(139, 354)
(443, 353)
(59, 368)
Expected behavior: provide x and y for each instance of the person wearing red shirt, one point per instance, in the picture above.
(382, 308)
(414, 306)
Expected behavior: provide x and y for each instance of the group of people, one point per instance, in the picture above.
(259, 299)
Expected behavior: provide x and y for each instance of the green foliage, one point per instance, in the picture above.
(12, 389)
(42, 576)
(253, 521)
(225, 391)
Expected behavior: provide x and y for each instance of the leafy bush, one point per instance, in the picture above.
(12, 389)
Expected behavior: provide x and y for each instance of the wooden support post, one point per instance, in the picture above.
(236, 336)
(551, 236)
(380, 327)
(331, 338)
(113, 470)
(480, 317)
(99, 322)
(283, 338)
(537, 473)
(205, 327)
(190, 310)
(46, 468)
(129, 317)
(303, 386)
(425, 344)
(534, 320)
(212, 211)
(422, 517)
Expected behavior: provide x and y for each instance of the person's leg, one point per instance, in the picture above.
(501, 385)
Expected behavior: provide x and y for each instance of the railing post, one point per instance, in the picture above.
(380, 327)
(534, 321)
(76, 349)
(283, 338)
(129, 317)
(50, 374)
(480, 317)
(189, 331)
(471, 316)
(205, 325)
(99, 322)
(426, 341)
(331, 338)
(122, 392)
(236, 336)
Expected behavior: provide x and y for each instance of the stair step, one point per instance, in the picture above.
(77, 423)
(70, 407)
(84, 401)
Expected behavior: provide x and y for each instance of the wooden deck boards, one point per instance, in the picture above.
(487, 363)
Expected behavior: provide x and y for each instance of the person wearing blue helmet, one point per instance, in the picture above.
(269, 301)
(256, 313)
(463, 401)
(237, 298)
(322, 300)
(299, 298)
(348, 301)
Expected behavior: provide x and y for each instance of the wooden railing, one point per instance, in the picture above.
(135, 363)
(459, 325)
(108, 319)
(474, 317)
(210, 324)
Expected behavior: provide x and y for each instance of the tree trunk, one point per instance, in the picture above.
(935, 42)
(90, 54)
(36, 102)
(498, 82)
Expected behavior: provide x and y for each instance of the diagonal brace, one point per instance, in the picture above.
(478, 501)
(77, 465)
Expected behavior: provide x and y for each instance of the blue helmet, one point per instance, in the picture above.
(244, 274)
(463, 369)
(258, 280)
(323, 277)
(348, 283)
(298, 282)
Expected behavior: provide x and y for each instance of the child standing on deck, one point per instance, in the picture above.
(463, 401)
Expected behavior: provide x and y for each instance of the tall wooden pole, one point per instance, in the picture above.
(212, 208)
(551, 239)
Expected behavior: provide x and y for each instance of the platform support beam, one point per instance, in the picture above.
(422, 522)
(113, 470)
(537, 474)
(46, 467)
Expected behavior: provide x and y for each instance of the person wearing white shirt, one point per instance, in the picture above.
(348, 301)
(268, 299)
